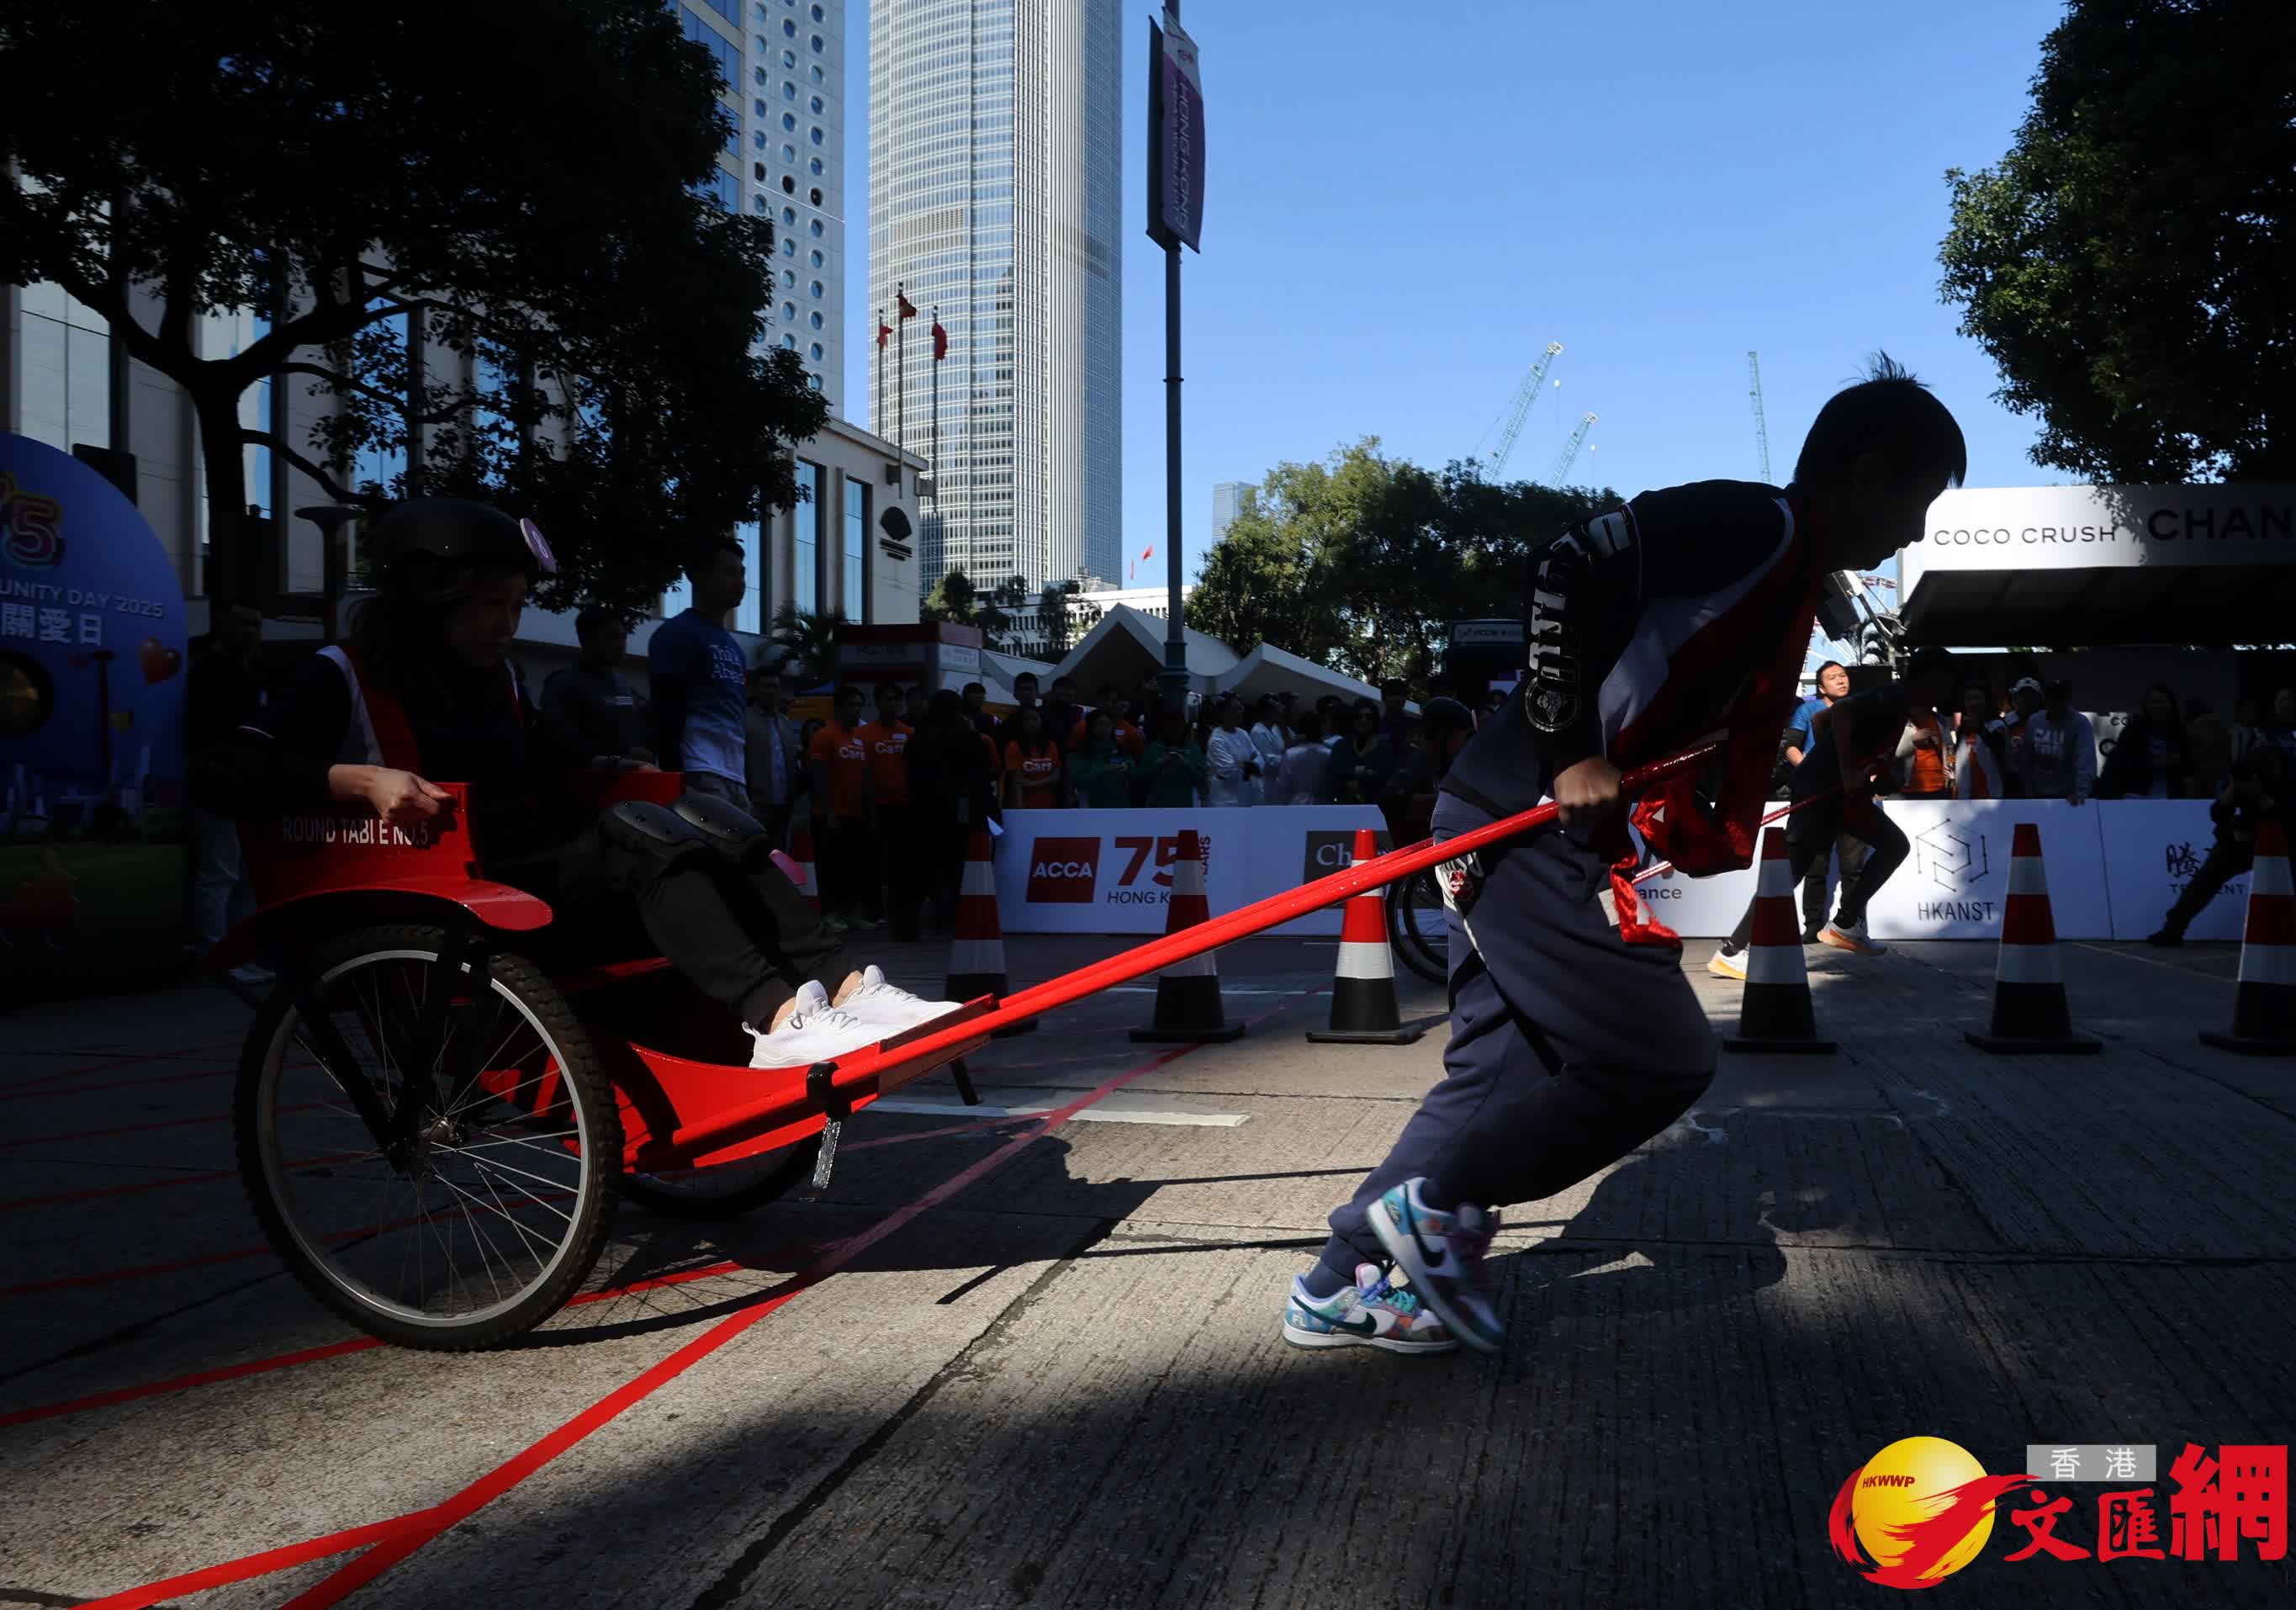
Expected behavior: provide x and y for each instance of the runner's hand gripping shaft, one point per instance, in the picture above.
(1779, 815)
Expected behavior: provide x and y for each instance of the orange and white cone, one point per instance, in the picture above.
(976, 954)
(798, 865)
(2030, 1010)
(1188, 1010)
(1364, 1008)
(2264, 1007)
(1775, 1014)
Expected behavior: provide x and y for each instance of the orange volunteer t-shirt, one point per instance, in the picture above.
(888, 759)
(1037, 774)
(848, 760)
(1926, 773)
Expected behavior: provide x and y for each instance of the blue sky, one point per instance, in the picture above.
(1404, 205)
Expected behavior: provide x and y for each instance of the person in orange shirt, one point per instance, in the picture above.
(1032, 765)
(1922, 756)
(898, 851)
(844, 813)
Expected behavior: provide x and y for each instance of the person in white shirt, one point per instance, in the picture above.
(1304, 776)
(1235, 759)
(2058, 757)
(1267, 736)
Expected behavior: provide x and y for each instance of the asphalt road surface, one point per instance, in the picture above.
(1040, 1363)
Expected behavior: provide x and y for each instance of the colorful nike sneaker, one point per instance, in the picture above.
(1441, 1256)
(1369, 1313)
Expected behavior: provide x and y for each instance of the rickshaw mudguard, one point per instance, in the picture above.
(679, 1113)
(496, 906)
(302, 863)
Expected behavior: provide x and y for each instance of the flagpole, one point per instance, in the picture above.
(936, 412)
(901, 363)
(877, 419)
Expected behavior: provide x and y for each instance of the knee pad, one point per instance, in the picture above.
(650, 835)
(727, 829)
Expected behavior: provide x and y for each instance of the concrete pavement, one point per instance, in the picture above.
(1044, 1369)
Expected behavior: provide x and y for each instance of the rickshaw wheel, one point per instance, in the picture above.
(726, 1191)
(485, 1220)
(1416, 927)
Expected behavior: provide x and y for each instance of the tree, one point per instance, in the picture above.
(1065, 619)
(376, 183)
(955, 599)
(1362, 562)
(808, 641)
(2126, 263)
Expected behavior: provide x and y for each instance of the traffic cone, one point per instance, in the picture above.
(976, 954)
(798, 865)
(1188, 1010)
(1364, 1009)
(2029, 1011)
(2264, 1005)
(1775, 1013)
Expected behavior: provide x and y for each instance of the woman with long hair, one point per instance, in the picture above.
(424, 690)
(1032, 764)
(1364, 760)
(1101, 772)
(2153, 758)
(1980, 747)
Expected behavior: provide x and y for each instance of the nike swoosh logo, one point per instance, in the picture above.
(1437, 1262)
(1365, 1326)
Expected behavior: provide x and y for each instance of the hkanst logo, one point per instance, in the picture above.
(1062, 872)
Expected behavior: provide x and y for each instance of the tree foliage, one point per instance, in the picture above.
(1362, 562)
(2128, 264)
(355, 173)
(955, 599)
(807, 641)
(1064, 617)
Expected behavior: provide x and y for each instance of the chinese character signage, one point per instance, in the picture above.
(92, 683)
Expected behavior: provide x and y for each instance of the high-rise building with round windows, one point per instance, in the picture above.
(995, 194)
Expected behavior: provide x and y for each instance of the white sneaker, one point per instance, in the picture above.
(882, 1006)
(816, 1032)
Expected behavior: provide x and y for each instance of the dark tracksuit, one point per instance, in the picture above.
(745, 937)
(2234, 853)
(1570, 1046)
(1875, 718)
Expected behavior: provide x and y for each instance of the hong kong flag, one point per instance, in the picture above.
(884, 334)
(908, 308)
(940, 341)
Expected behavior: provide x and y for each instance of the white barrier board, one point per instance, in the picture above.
(2114, 868)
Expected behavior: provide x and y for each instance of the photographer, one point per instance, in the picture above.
(2256, 795)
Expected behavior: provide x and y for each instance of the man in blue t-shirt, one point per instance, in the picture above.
(700, 695)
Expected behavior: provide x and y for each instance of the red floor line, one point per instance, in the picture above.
(50, 1092)
(120, 1061)
(254, 1564)
(398, 1539)
(313, 1355)
(97, 1192)
(205, 1377)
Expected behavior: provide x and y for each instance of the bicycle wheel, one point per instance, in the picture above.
(482, 1221)
(1415, 925)
(727, 1190)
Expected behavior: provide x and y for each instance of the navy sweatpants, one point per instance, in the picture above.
(1569, 1046)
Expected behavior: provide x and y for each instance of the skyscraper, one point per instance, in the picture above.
(995, 187)
(1227, 503)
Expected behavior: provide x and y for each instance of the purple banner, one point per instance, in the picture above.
(1180, 197)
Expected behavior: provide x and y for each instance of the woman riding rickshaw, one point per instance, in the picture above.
(424, 690)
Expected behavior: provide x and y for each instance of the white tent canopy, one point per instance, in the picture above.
(1129, 645)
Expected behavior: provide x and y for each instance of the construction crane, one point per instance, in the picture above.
(1570, 451)
(1509, 425)
(1761, 426)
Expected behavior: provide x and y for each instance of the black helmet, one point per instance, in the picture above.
(460, 530)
